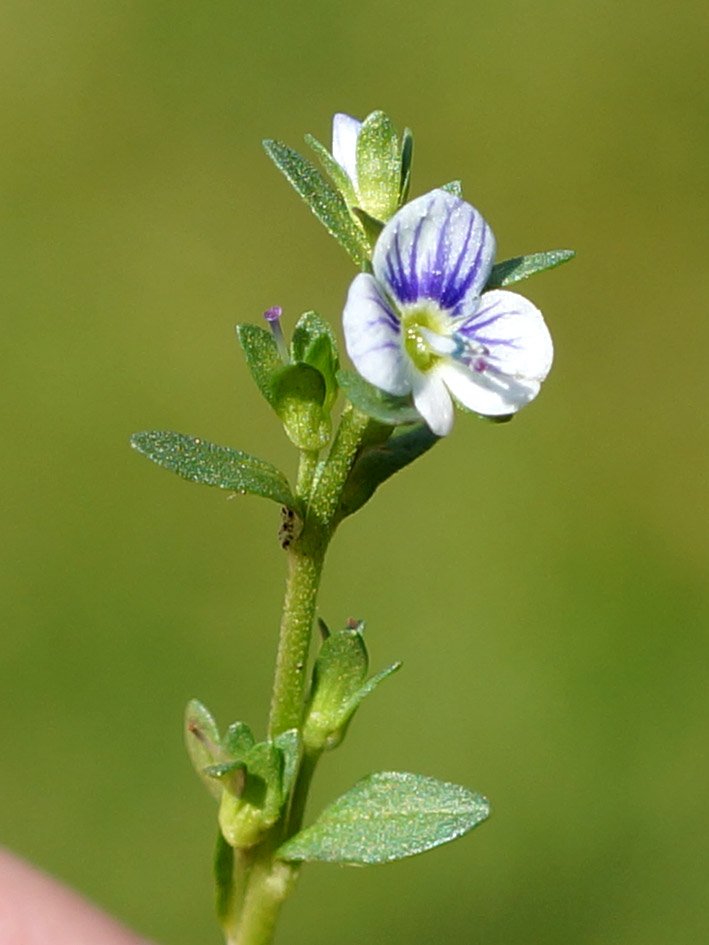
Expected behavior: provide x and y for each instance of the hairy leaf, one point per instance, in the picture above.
(388, 816)
(200, 461)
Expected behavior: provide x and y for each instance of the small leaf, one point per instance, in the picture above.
(388, 816)
(379, 405)
(378, 166)
(299, 392)
(377, 463)
(455, 187)
(513, 270)
(407, 153)
(327, 204)
(202, 742)
(338, 175)
(262, 356)
(200, 461)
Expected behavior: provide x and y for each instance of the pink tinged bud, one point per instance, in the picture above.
(273, 317)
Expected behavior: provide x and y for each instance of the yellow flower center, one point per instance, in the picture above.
(415, 344)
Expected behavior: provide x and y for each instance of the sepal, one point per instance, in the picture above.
(327, 203)
(454, 187)
(203, 743)
(338, 687)
(262, 357)
(379, 167)
(521, 267)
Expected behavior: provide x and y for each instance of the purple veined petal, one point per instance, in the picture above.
(373, 337)
(437, 247)
(345, 131)
(514, 334)
(433, 402)
(487, 392)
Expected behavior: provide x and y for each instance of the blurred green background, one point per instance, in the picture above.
(543, 581)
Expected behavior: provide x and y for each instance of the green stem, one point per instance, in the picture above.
(269, 884)
(305, 561)
(306, 472)
(263, 882)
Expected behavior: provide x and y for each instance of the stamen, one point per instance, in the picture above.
(273, 317)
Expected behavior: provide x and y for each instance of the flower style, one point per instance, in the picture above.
(421, 323)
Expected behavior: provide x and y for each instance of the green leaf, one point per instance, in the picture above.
(299, 392)
(262, 356)
(388, 816)
(202, 742)
(407, 153)
(378, 166)
(327, 204)
(455, 187)
(379, 405)
(513, 270)
(335, 171)
(378, 462)
(200, 461)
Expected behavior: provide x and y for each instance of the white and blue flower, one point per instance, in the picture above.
(421, 324)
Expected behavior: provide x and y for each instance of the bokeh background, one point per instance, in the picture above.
(544, 581)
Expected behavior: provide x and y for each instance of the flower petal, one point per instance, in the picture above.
(513, 332)
(373, 337)
(433, 401)
(487, 393)
(345, 131)
(437, 247)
